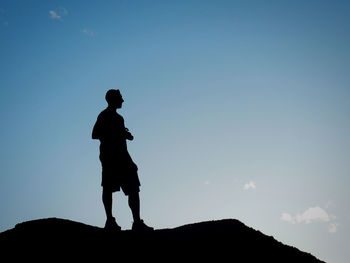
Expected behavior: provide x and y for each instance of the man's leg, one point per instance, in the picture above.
(107, 202)
(134, 204)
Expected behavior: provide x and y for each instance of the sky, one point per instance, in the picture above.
(239, 109)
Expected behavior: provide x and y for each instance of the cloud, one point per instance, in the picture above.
(250, 185)
(88, 32)
(333, 228)
(54, 15)
(288, 218)
(58, 13)
(312, 214)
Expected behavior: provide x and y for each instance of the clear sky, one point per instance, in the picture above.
(239, 109)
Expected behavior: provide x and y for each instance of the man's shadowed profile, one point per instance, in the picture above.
(118, 169)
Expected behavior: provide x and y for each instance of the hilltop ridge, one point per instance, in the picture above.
(219, 240)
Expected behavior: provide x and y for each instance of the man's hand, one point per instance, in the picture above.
(128, 135)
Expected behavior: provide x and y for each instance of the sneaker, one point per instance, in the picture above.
(111, 225)
(140, 226)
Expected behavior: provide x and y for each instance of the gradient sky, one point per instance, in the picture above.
(240, 109)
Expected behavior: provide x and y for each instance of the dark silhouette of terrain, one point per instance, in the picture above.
(226, 240)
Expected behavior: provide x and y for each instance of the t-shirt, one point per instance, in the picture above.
(110, 130)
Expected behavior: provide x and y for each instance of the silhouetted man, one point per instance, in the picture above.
(118, 169)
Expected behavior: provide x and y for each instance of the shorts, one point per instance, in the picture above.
(120, 174)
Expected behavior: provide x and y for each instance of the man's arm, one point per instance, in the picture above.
(96, 131)
(128, 135)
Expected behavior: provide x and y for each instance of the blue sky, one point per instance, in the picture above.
(239, 109)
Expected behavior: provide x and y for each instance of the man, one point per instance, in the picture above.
(118, 169)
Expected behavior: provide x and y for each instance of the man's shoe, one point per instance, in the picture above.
(111, 225)
(140, 226)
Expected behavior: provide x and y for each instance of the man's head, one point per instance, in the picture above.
(114, 98)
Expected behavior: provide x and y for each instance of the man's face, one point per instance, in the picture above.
(116, 101)
(119, 101)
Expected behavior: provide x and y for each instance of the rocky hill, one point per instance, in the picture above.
(226, 240)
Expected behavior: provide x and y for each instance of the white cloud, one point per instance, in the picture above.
(88, 32)
(310, 215)
(313, 214)
(54, 15)
(333, 228)
(288, 218)
(250, 185)
(58, 13)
